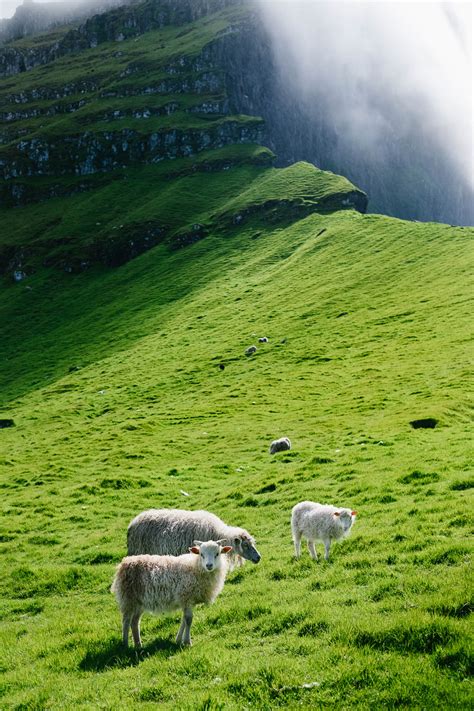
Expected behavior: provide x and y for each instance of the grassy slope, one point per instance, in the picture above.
(150, 415)
(112, 378)
(65, 227)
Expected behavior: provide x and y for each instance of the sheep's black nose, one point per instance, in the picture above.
(256, 559)
(209, 566)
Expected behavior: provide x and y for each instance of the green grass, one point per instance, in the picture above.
(145, 413)
(174, 195)
(114, 380)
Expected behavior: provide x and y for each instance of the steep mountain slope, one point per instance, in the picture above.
(81, 127)
(410, 177)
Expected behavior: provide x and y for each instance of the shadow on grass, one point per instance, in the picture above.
(113, 655)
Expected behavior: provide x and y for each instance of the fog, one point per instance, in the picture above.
(8, 7)
(382, 72)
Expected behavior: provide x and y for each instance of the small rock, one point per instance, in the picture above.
(6, 422)
(184, 493)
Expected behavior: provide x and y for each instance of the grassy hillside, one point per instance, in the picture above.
(368, 320)
(141, 281)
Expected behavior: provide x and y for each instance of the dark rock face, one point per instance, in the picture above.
(90, 152)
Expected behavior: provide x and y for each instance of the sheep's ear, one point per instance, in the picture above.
(194, 549)
(337, 513)
(197, 543)
(226, 549)
(354, 513)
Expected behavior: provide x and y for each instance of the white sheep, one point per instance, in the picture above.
(263, 339)
(319, 522)
(164, 583)
(172, 531)
(280, 445)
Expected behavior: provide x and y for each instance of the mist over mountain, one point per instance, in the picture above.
(32, 17)
(387, 87)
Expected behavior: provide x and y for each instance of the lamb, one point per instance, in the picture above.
(280, 445)
(263, 339)
(172, 531)
(164, 583)
(251, 350)
(318, 522)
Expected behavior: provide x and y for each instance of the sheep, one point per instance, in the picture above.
(318, 522)
(280, 445)
(172, 531)
(263, 339)
(251, 350)
(164, 583)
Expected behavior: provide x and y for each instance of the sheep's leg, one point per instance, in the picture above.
(327, 546)
(179, 636)
(312, 550)
(297, 542)
(136, 629)
(125, 628)
(188, 619)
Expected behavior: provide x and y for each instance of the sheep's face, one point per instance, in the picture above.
(244, 547)
(346, 518)
(210, 554)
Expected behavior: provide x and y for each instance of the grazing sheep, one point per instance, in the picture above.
(251, 350)
(172, 531)
(280, 445)
(263, 339)
(318, 522)
(163, 583)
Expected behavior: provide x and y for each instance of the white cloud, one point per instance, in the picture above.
(382, 69)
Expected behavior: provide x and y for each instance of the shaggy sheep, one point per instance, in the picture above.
(172, 531)
(251, 350)
(164, 583)
(280, 445)
(318, 522)
(263, 339)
